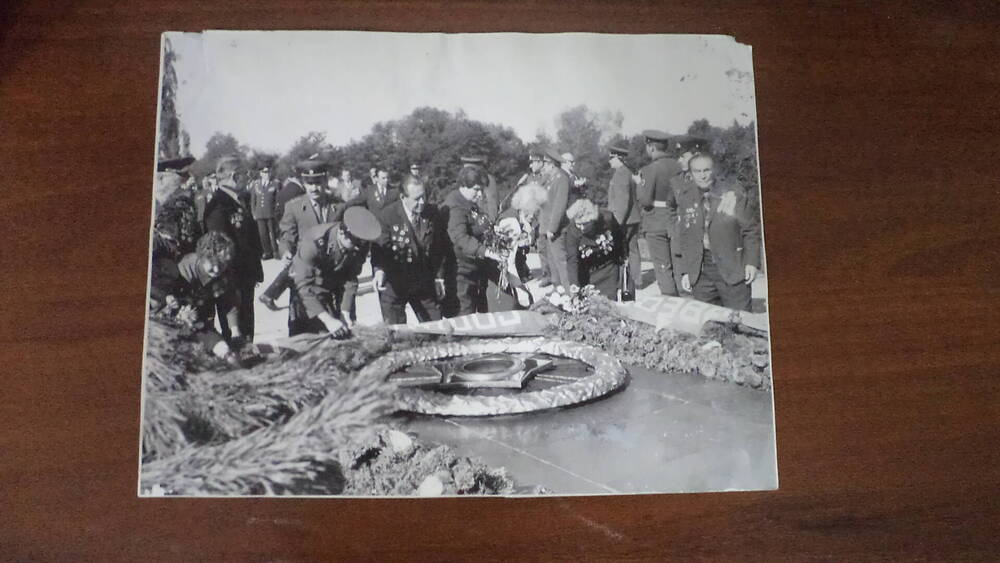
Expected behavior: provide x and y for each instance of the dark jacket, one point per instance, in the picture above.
(318, 269)
(191, 287)
(412, 256)
(291, 189)
(299, 217)
(553, 214)
(594, 254)
(733, 231)
(370, 199)
(622, 200)
(654, 192)
(468, 229)
(263, 199)
(232, 217)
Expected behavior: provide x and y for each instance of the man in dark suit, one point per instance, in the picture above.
(623, 205)
(263, 194)
(653, 192)
(374, 198)
(553, 221)
(408, 259)
(229, 213)
(718, 236)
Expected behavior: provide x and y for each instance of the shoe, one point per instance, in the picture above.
(268, 302)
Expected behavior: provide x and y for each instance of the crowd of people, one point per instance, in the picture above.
(466, 255)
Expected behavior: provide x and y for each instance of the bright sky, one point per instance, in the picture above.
(270, 88)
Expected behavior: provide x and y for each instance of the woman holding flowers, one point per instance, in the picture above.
(593, 249)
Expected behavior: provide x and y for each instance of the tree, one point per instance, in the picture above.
(587, 135)
(309, 144)
(219, 145)
(173, 140)
(436, 139)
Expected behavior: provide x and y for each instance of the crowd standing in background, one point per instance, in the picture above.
(466, 255)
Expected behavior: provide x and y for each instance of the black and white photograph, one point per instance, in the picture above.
(432, 265)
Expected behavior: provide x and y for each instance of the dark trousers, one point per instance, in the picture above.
(245, 310)
(659, 253)
(281, 282)
(558, 267)
(630, 233)
(541, 246)
(711, 288)
(393, 306)
(267, 229)
(450, 304)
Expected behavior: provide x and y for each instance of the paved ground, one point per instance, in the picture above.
(663, 433)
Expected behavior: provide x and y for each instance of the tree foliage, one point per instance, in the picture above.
(436, 139)
(219, 145)
(173, 141)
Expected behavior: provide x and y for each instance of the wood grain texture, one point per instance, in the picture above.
(879, 148)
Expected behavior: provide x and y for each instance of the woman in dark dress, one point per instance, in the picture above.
(593, 248)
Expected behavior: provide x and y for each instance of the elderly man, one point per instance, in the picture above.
(408, 259)
(229, 213)
(552, 222)
(653, 193)
(623, 205)
(263, 192)
(577, 182)
(329, 255)
(718, 237)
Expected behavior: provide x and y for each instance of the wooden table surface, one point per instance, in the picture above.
(879, 128)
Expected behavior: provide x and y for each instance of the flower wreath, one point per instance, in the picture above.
(609, 375)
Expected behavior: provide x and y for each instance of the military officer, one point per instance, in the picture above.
(718, 236)
(623, 205)
(653, 193)
(552, 222)
(328, 255)
(408, 259)
(229, 213)
(263, 194)
(291, 189)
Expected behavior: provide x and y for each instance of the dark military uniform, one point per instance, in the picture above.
(229, 213)
(624, 206)
(595, 254)
(411, 253)
(262, 206)
(319, 271)
(553, 220)
(653, 196)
